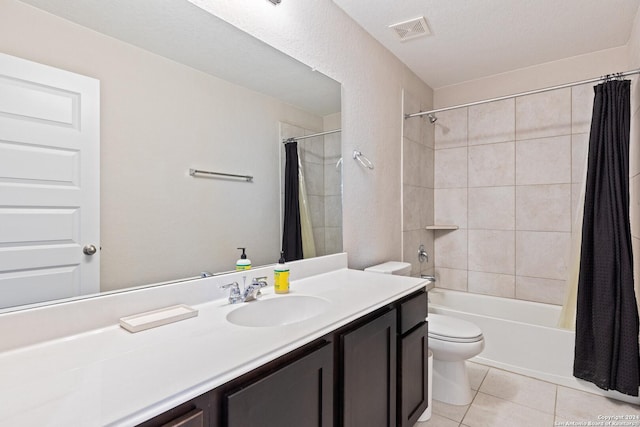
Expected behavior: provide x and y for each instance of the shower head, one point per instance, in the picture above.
(432, 118)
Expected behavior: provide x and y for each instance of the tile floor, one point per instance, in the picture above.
(506, 399)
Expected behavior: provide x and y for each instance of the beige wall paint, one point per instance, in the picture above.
(158, 223)
(321, 35)
(566, 70)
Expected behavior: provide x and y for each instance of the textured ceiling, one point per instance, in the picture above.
(473, 39)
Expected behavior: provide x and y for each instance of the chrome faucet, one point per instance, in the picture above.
(250, 293)
(234, 294)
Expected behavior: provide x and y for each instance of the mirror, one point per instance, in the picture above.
(181, 89)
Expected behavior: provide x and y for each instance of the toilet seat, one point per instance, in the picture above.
(451, 329)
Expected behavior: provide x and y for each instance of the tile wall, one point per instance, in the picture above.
(332, 194)
(508, 174)
(417, 186)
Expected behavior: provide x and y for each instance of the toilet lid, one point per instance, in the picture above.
(448, 328)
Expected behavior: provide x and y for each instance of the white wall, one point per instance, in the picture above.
(158, 119)
(634, 150)
(321, 35)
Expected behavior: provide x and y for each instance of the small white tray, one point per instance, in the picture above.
(151, 319)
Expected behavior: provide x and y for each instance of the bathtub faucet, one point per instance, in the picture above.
(428, 277)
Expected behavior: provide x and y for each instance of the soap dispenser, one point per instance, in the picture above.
(243, 263)
(281, 276)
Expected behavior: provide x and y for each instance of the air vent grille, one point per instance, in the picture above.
(411, 29)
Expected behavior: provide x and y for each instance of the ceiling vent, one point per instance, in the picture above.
(411, 29)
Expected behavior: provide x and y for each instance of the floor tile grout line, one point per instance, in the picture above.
(469, 407)
(511, 401)
(514, 403)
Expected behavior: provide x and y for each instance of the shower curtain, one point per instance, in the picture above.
(291, 230)
(567, 318)
(607, 351)
(308, 243)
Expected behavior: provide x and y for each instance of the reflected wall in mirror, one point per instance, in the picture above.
(180, 89)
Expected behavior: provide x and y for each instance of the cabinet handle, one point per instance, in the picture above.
(194, 418)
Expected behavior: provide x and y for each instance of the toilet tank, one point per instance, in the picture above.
(391, 267)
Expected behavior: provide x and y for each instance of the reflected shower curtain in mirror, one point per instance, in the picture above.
(292, 233)
(308, 242)
(606, 351)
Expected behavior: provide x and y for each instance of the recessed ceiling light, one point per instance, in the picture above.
(411, 29)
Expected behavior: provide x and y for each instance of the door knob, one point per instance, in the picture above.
(89, 250)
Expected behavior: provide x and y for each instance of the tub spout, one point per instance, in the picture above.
(428, 277)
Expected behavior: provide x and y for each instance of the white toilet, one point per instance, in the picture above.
(452, 342)
(391, 267)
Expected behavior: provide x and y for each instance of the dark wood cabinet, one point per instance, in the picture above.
(299, 394)
(412, 357)
(412, 376)
(368, 373)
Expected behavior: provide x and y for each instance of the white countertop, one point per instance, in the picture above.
(108, 376)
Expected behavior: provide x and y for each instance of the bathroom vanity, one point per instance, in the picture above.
(360, 360)
(365, 373)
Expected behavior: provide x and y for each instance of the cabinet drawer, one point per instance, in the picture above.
(194, 418)
(413, 311)
(194, 413)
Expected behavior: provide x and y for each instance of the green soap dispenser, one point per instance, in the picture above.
(243, 263)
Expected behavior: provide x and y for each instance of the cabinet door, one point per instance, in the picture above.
(299, 394)
(369, 373)
(412, 379)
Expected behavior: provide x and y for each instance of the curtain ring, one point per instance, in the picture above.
(357, 155)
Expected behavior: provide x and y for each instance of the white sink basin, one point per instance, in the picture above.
(278, 311)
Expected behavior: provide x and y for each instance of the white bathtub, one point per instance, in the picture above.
(520, 336)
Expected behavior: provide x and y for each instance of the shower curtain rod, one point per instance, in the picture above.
(296, 138)
(531, 92)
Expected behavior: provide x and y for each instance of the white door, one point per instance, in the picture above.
(49, 183)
